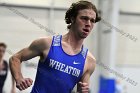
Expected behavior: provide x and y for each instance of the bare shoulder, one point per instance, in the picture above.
(43, 40)
(91, 62)
(41, 43)
(90, 57)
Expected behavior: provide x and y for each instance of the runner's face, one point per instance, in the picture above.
(84, 22)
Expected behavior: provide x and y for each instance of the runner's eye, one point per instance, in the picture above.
(92, 20)
(85, 18)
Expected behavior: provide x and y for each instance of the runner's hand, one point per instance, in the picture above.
(23, 83)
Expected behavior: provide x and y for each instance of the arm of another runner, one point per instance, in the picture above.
(35, 49)
(83, 85)
(13, 89)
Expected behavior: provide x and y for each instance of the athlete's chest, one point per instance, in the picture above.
(68, 49)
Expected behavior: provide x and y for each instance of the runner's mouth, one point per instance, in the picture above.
(86, 30)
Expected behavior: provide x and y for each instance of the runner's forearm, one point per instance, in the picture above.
(15, 67)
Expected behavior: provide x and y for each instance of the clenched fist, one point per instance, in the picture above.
(23, 83)
(83, 87)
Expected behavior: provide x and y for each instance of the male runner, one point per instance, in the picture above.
(64, 61)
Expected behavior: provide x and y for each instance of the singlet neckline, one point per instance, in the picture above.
(67, 53)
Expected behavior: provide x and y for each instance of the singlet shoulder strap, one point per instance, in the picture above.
(57, 40)
(84, 52)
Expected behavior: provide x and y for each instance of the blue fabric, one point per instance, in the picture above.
(107, 85)
(3, 75)
(60, 72)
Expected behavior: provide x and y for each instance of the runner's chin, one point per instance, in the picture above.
(84, 34)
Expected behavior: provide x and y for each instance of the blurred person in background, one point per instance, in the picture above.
(4, 69)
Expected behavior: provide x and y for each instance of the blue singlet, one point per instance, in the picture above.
(60, 72)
